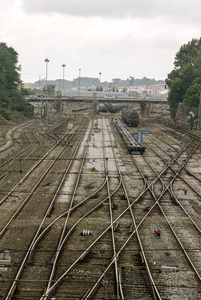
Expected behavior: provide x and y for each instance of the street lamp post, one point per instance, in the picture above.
(147, 82)
(79, 79)
(131, 82)
(100, 78)
(63, 66)
(47, 61)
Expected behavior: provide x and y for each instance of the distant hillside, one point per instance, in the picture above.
(88, 82)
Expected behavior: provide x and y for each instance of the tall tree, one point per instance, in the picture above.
(49, 89)
(10, 82)
(184, 75)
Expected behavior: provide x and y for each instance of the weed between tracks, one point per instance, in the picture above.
(96, 215)
(90, 185)
(92, 226)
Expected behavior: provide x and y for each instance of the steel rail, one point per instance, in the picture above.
(171, 191)
(35, 187)
(13, 286)
(111, 216)
(32, 169)
(60, 244)
(4, 137)
(37, 237)
(30, 193)
(12, 131)
(176, 236)
(57, 128)
(183, 166)
(180, 243)
(47, 294)
(89, 212)
(24, 159)
(64, 274)
(155, 291)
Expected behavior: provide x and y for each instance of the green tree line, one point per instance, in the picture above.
(184, 81)
(11, 92)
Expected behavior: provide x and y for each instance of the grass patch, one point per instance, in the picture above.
(93, 170)
(97, 130)
(90, 185)
(96, 215)
(92, 226)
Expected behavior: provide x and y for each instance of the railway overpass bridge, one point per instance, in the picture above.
(82, 99)
(143, 101)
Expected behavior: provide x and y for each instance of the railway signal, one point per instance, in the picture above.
(158, 231)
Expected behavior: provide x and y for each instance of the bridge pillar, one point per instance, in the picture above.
(95, 102)
(143, 106)
(148, 109)
(145, 109)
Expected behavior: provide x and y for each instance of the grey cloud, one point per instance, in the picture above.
(183, 9)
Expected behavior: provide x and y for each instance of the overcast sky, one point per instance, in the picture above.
(119, 38)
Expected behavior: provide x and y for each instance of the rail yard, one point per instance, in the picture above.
(84, 218)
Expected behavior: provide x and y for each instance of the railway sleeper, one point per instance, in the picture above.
(85, 294)
(142, 258)
(131, 228)
(146, 280)
(85, 255)
(30, 258)
(51, 261)
(116, 225)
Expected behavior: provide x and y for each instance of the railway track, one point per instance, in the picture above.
(32, 195)
(96, 239)
(172, 210)
(113, 275)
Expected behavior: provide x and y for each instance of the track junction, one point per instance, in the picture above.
(79, 213)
